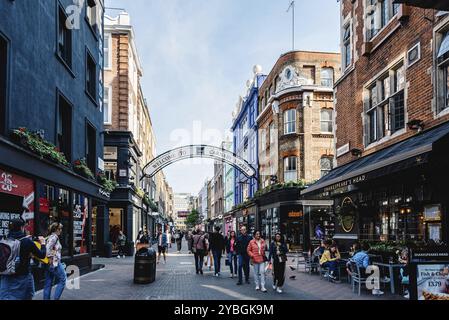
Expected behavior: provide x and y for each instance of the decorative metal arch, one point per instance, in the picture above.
(198, 151)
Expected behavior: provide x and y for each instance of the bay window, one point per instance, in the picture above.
(384, 105)
(290, 169)
(443, 72)
(290, 121)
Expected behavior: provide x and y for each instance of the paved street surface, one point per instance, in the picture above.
(177, 280)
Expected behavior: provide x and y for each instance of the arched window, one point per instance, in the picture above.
(290, 121)
(325, 165)
(290, 169)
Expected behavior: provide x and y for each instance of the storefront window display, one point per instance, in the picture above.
(115, 225)
(321, 223)
(80, 223)
(54, 206)
(16, 200)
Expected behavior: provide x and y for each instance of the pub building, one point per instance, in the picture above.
(396, 194)
(50, 119)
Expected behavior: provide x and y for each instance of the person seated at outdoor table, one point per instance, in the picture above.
(404, 271)
(362, 260)
(317, 253)
(330, 259)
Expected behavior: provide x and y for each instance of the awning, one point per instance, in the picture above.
(397, 157)
(429, 4)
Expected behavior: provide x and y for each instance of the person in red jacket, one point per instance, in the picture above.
(256, 251)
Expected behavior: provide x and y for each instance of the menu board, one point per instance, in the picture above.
(79, 224)
(433, 281)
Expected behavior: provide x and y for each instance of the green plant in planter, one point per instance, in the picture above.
(33, 142)
(108, 185)
(80, 167)
(140, 192)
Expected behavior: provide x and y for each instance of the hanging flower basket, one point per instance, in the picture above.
(81, 168)
(108, 185)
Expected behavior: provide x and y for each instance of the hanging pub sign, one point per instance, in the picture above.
(346, 214)
(16, 201)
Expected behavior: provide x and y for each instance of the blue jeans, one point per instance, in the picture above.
(217, 260)
(232, 258)
(243, 267)
(17, 287)
(332, 266)
(58, 274)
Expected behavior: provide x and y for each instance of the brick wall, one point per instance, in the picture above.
(409, 27)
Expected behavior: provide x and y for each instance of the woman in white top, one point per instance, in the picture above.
(55, 270)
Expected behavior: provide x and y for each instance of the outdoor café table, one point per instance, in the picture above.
(391, 267)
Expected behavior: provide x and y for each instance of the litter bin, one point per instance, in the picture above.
(145, 266)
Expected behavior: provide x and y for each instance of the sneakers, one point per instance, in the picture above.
(279, 290)
(257, 288)
(217, 275)
(239, 283)
(377, 292)
(274, 287)
(263, 289)
(124, 256)
(118, 257)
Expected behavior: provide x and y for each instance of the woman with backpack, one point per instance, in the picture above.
(55, 270)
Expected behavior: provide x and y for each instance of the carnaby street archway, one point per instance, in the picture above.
(197, 151)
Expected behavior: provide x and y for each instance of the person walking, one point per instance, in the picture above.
(169, 238)
(178, 237)
(243, 257)
(55, 270)
(278, 256)
(256, 252)
(189, 238)
(18, 284)
(217, 246)
(162, 245)
(231, 251)
(199, 247)
(121, 242)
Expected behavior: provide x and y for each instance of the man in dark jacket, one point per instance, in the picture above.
(243, 258)
(20, 286)
(217, 246)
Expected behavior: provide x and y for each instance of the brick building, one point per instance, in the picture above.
(295, 128)
(129, 138)
(391, 126)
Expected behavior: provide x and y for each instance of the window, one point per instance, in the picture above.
(107, 51)
(263, 140)
(384, 106)
(379, 14)
(327, 77)
(309, 74)
(64, 129)
(290, 169)
(64, 45)
(327, 120)
(3, 82)
(91, 148)
(290, 121)
(107, 105)
(347, 47)
(91, 77)
(325, 165)
(92, 14)
(273, 134)
(110, 165)
(443, 73)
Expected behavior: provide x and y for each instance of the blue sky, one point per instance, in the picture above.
(198, 54)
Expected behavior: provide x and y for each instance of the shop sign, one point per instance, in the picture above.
(346, 215)
(345, 183)
(100, 164)
(122, 173)
(295, 214)
(16, 200)
(343, 150)
(104, 193)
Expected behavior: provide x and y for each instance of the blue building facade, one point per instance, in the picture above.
(245, 145)
(51, 92)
